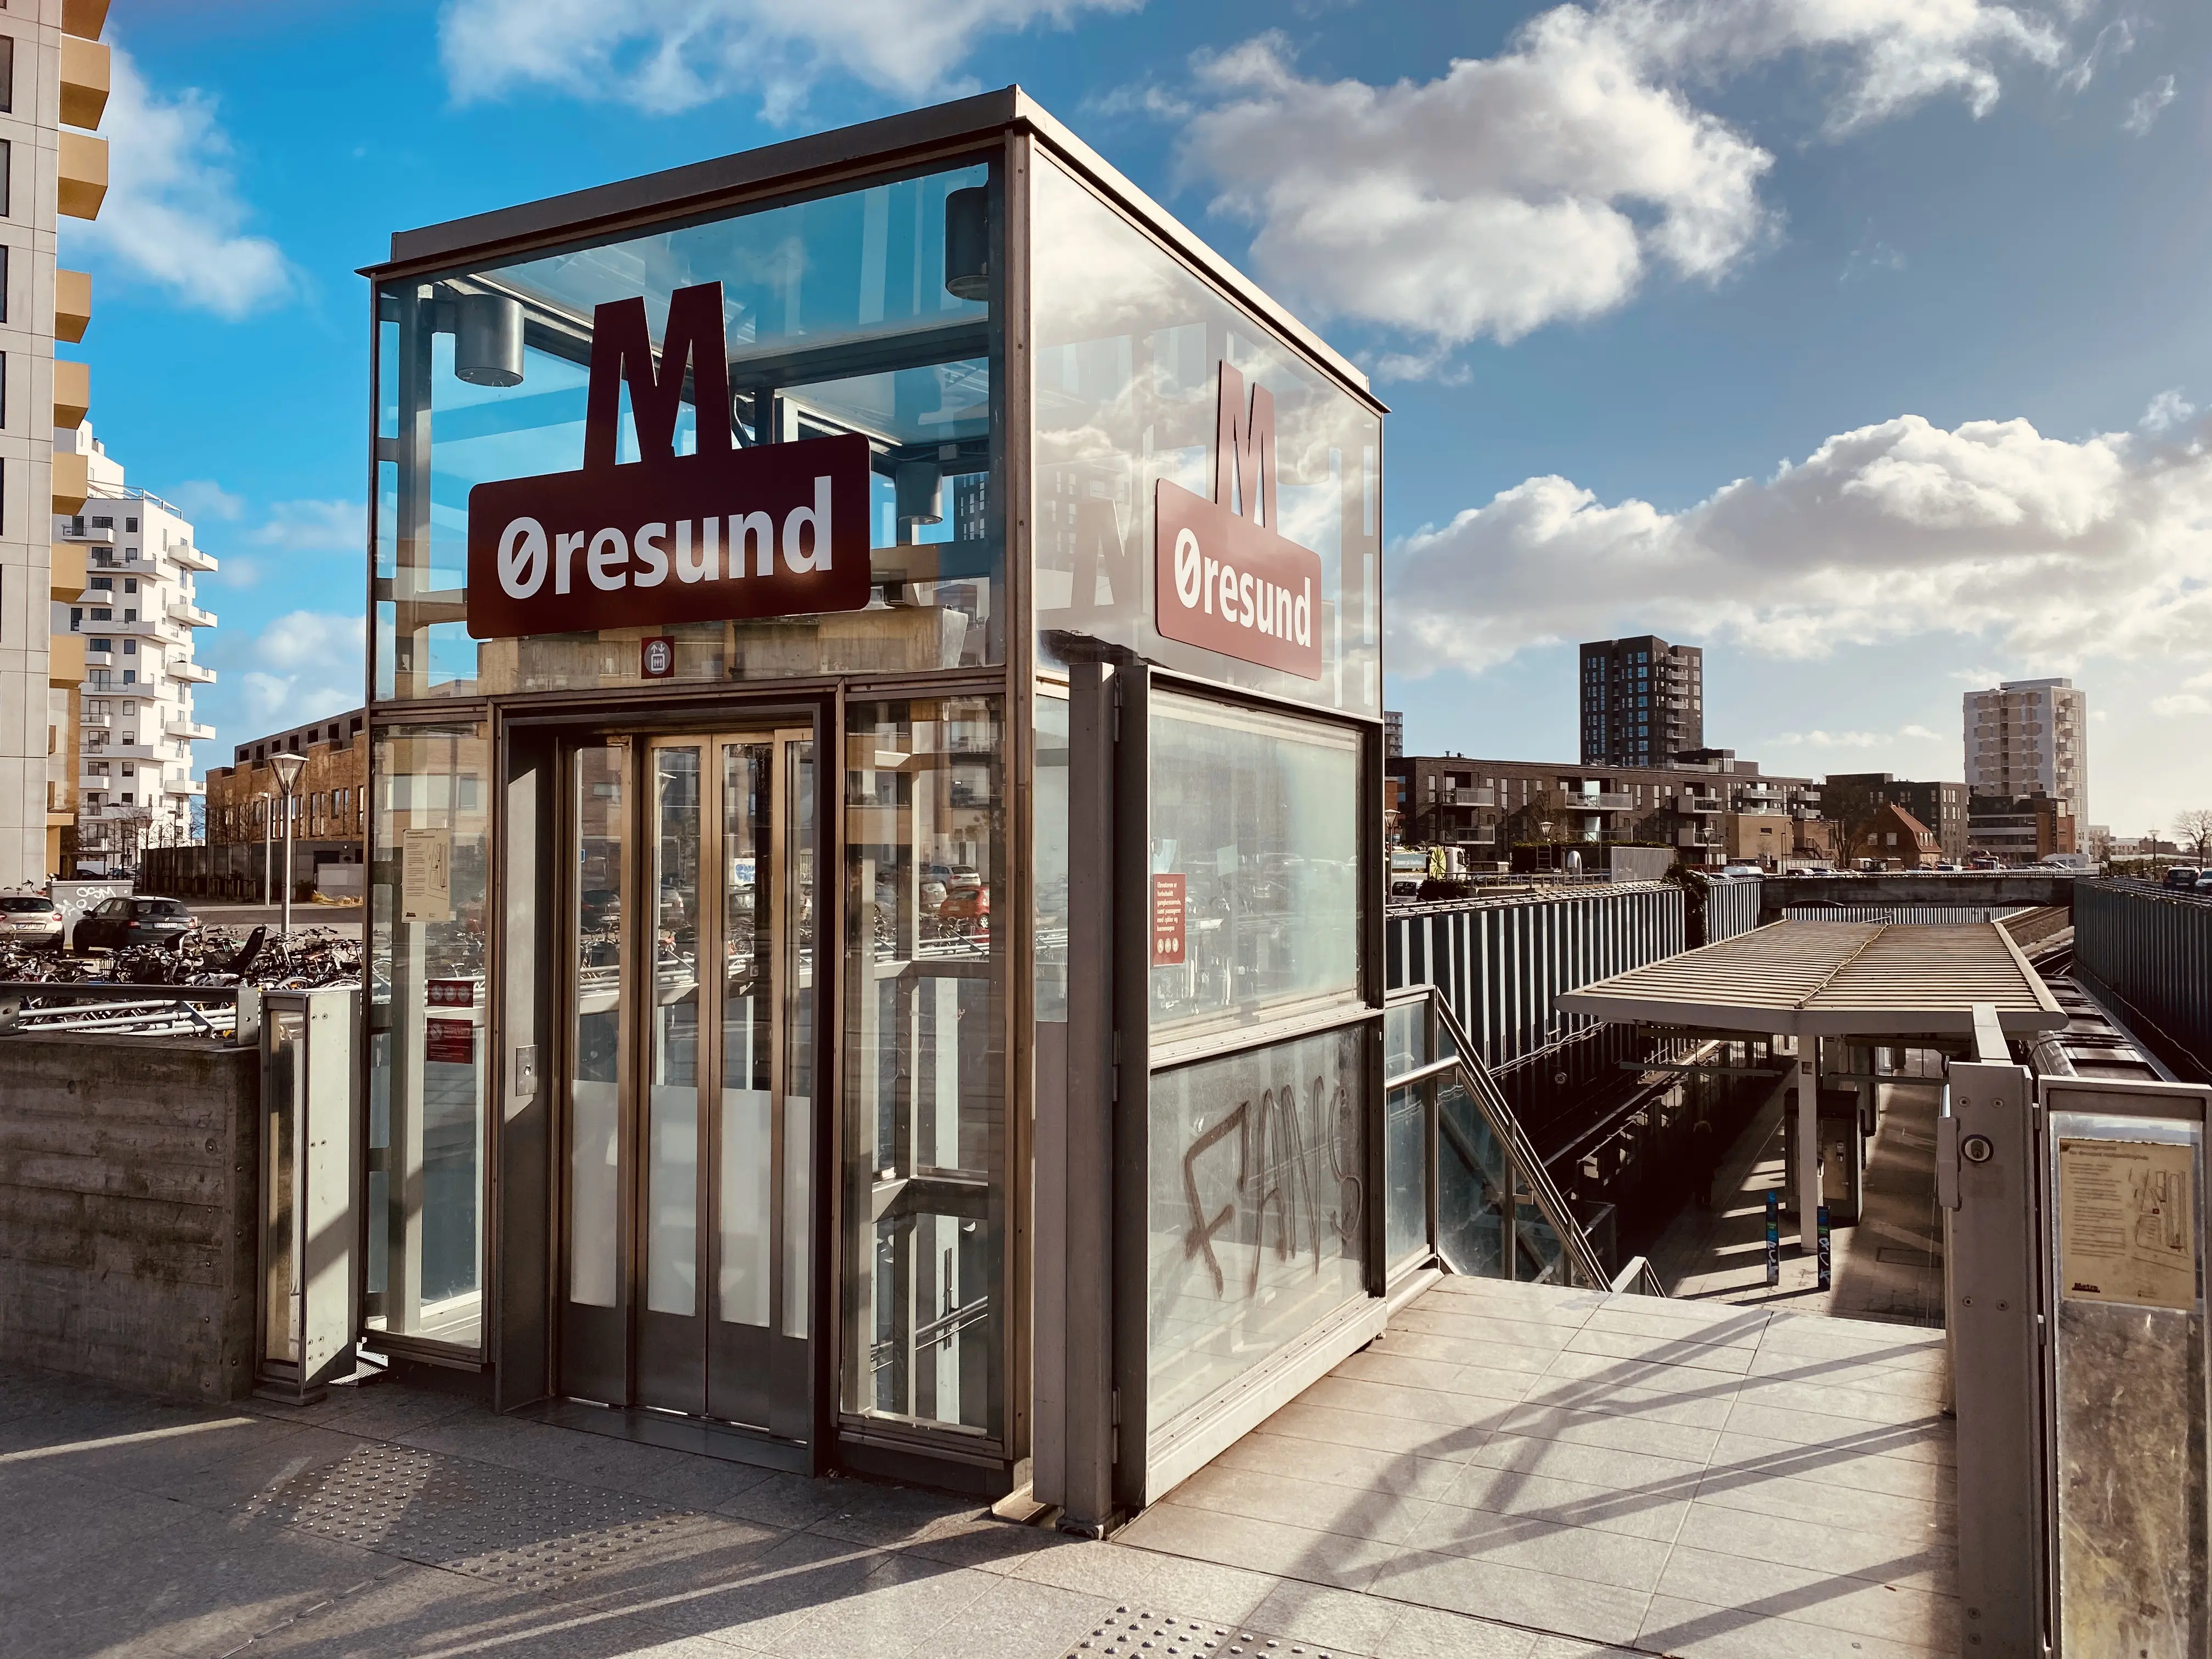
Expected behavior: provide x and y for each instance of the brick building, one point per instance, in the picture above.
(328, 804)
(1641, 701)
(1940, 807)
(2021, 831)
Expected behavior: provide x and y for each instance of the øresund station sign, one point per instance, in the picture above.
(768, 530)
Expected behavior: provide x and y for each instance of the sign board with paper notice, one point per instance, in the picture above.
(2127, 1222)
(426, 881)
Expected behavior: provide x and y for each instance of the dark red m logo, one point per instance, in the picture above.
(621, 348)
(1244, 449)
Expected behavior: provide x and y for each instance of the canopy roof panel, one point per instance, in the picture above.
(1833, 979)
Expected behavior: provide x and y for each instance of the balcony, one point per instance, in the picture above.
(1480, 836)
(71, 482)
(1702, 804)
(98, 659)
(191, 615)
(183, 786)
(191, 672)
(84, 82)
(188, 731)
(72, 305)
(66, 571)
(72, 393)
(84, 18)
(81, 182)
(86, 536)
(1470, 797)
(65, 660)
(186, 556)
(1616, 801)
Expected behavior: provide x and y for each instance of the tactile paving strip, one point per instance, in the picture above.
(502, 1524)
(1139, 1634)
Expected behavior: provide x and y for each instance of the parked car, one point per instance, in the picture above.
(32, 919)
(967, 908)
(1742, 870)
(118, 922)
(2182, 875)
(2204, 883)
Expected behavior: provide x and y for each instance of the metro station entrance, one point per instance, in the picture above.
(687, 1076)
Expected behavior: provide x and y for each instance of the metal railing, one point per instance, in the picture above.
(2148, 952)
(231, 1013)
(1465, 1189)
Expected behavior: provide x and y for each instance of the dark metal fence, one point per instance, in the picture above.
(2149, 954)
(1500, 963)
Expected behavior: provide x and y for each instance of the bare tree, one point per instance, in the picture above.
(2100, 846)
(2193, 829)
(1850, 810)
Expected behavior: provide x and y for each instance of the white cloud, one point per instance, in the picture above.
(1546, 182)
(1818, 738)
(664, 55)
(2166, 410)
(2181, 702)
(173, 216)
(307, 664)
(314, 526)
(203, 498)
(2117, 38)
(2144, 108)
(2056, 552)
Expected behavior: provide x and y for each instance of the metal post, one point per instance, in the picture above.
(1808, 1144)
(268, 837)
(1985, 1183)
(288, 864)
(1773, 1236)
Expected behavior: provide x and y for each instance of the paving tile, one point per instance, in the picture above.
(1925, 1439)
(230, 1481)
(1686, 1402)
(1811, 1596)
(1864, 1462)
(1487, 1327)
(1697, 1630)
(1697, 1329)
(1465, 1350)
(1421, 1405)
(1832, 1502)
(985, 1541)
(1642, 1474)
(1569, 1552)
(1119, 1573)
(1839, 1398)
(1683, 1442)
(1609, 1508)
(56, 1528)
(1020, 1619)
(897, 1608)
(1338, 1619)
(1921, 1556)
(735, 1582)
(1317, 1506)
(1377, 1365)
(1330, 1426)
(1269, 1546)
(780, 1499)
(1540, 1601)
(1657, 1351)
(1566, 1647)
(1336, 1463)
(1424, 1632)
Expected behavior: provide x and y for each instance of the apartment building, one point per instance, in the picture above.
(1393, 734)
(134, 617)
(1490, 805)
(1940, 807)
(2029, 738)
(53, 78)
(2021, 831)
(1641, 701)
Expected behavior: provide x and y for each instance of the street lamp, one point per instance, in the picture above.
(268, 842)
(287, 769)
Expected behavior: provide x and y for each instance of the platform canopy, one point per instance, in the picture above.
(1875, 981)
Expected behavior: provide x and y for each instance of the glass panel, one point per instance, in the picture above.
(595, 1047)
(1405, 1038)
(1260, 817)
(426, 1030)
(1048, 812)
(1470, 1185)
(1404, 1151)
(798, 937)
(748, 1152)
(2127, 1231)
(926, 1047)
(279, 1179)
(672, 1167)
(1539, 1256)
(1257, 1211)
(840, 315)
(1126, 345)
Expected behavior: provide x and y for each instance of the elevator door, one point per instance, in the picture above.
(690, 1097)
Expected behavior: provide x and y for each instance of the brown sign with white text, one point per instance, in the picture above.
(773, 529)
(1227, 579)
(1168, 934)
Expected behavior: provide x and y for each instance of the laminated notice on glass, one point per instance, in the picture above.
(1167, 921)
(426, 880)
(2127, 1228)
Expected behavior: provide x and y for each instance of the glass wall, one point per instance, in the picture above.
(867, 311)
(426, 1031)
(1257, 1208)
(1260, 815)
(925, 1063)
(1126, 341)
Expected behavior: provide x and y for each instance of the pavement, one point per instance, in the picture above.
(343, 919)
(1512, 1472)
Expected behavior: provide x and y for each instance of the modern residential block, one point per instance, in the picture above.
(2029, 738)
(1642, 702)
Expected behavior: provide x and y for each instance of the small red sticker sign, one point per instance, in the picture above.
(452, 993)
(449, 1042)
(1167, 921)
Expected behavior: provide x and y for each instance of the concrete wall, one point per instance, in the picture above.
(128, 1186)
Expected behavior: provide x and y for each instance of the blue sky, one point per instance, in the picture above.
(1860, 344)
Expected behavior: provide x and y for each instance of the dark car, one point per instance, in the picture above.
(2182, 875)
(116, 923)
(599, 909)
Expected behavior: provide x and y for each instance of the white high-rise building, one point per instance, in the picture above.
(137, 616)
(2029, 738)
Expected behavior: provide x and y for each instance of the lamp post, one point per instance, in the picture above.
(268, 840)
(287, 769)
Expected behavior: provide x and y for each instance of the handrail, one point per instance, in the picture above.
(1638, 1277)
(1524, 1166)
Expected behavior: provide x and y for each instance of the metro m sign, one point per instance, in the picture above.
(773, 530)
(1228, 581)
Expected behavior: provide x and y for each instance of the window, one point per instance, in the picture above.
(129, 584)
(76, 617)
(131, 525)
(6, 168)
(130, 647)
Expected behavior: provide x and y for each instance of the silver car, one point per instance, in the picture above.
(30, 919)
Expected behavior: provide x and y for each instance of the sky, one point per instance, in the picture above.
(1861, 342)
